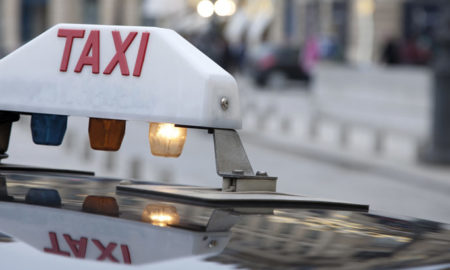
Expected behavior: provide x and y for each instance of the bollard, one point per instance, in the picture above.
(87, 153)
(313, 127)
(285, 125)
(110, 161)
(378, 144)
(136, 168)
(437, 149)
(343, 135)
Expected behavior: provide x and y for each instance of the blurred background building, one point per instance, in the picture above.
(357, 31)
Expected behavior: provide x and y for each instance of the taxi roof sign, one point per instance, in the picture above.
(119, 72)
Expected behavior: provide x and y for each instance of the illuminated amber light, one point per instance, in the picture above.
(101, 205)
(166, 140)
(106, 134)
(160, 215)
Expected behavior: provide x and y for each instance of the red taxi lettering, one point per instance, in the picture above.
(90, 56)
(141, 54)
(106, 252)
(92, 44)
(119, 57)
(55, 246)
(70, 35)
(78, 247)
(125, 254)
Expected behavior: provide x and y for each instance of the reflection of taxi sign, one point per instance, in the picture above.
(116, 72)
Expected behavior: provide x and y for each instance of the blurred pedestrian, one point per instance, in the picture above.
(309, 56)
(391, 52)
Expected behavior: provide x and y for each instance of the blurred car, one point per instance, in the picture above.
(270, 64)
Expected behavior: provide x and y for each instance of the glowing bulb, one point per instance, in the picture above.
(166, 140)
(205, 8)
(168, 131)
(225, 7)
(160, 215)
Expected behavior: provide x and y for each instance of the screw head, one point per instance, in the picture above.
(224, 103)
(212, 243)
(240, 172)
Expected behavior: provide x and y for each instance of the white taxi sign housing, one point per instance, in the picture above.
(118, 72)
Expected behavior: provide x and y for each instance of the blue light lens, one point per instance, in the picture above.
(48, 129)
(43, 196)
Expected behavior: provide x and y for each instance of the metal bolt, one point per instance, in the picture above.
(240, 172)
(224, 103)
(261, 173)
(212, 243)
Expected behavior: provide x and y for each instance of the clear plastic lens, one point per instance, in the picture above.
(166, 140)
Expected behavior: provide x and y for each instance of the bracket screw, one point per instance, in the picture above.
(240, 172)
(212, 244)
(224, 103)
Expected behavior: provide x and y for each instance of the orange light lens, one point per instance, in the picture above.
(166, 140)
(106, 134)
(160, 215)
(102, 205)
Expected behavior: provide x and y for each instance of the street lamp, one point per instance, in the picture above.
(224, 7)
(205, 8)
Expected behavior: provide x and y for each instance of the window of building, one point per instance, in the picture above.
(2, 38)
(34, 15)
(90, 11)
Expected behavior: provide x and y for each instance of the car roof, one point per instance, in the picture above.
(265, 239)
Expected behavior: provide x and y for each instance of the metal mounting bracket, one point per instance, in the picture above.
(3, 190)
(6, 120)
(233, 166)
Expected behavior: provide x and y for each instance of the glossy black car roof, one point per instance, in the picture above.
(268, 238)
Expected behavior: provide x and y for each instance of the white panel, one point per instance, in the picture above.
(178, 83)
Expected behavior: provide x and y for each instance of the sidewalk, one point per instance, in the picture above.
(435, 178)
(382, 111)
(379, 111)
